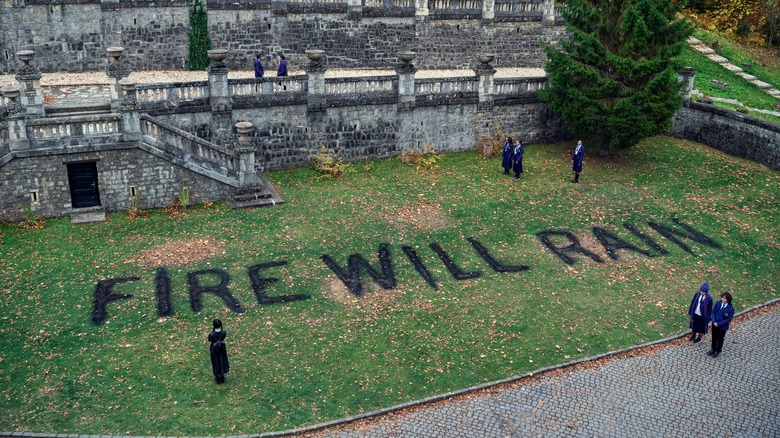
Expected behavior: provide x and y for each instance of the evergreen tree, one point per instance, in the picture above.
(615, 80)
(200, 42)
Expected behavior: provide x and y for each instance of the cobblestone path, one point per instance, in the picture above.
(674, 390)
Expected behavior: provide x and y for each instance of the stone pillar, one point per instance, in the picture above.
(116, 70)
(247, 175)
(355, 9)
(488, 12)
(131, 117)
(421, 12)
(315, 72)
(548, 11)
(15, 116)
(685, 77)
(406, 89)
(486, 74)
(219, 96)
(30, 82)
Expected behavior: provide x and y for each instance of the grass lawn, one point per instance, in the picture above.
(763, 63)
(333, 355)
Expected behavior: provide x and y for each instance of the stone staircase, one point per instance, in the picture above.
(710, 53)
(264, 195)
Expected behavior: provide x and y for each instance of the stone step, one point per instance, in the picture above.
(263, 195)
(761, 84)
(704, 50)
(88, 217)
(747, 76)
(692, 41)
(774, 92)
(252, 196)
(719, 59)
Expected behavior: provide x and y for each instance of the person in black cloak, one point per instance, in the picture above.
(506, 156)
(219, 359)
(517, 157)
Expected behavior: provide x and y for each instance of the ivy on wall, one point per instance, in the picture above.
(200, 43)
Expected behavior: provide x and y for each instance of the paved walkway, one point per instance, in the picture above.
(672, 390)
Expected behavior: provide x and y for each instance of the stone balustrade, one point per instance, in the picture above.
(368, 84)
(174, 93)
(189, 148)
(82, 126)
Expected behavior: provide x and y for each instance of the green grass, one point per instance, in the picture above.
(336, 355)
(769, 74)
(741, 90)
(756, 114)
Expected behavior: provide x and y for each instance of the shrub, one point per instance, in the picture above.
(330, 164)
(32, 220)
(426, 158)
(184, 195)
(135, 207)
(493, 144)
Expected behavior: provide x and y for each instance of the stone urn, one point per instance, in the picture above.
(12, 92)
(486, 58)
(315, 55)
(217, 55)
(115, 53)
(25, 56)
(406, 56)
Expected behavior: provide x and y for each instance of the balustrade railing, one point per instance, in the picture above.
(269, 85)
(510, 86)
(173, 93)
(389, 3)
(520, 7)
(370, 84)
(444, 5)
(55, 128)
(185, 145)
(446, 85)
(316, 1)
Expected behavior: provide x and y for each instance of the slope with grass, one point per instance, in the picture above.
(334, 355)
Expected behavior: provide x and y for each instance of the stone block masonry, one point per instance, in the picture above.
(730, 132)
(72, 35)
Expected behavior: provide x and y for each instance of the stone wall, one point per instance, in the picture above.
(730, 132)
(72, 35)
(157, 180)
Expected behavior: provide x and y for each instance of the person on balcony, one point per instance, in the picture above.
(259, 72)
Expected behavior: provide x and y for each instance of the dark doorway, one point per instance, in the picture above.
(83, 185)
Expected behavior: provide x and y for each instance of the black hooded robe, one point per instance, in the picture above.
(219, 359)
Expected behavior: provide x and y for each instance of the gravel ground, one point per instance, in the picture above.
(164, 76)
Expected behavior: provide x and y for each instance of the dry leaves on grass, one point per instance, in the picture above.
(422, 215)
(179, 253)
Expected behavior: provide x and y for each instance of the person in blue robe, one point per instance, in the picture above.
(721, 317)
(576, 161)
(259, 72)
(517, 157)
(282, 71)
(699, 311)
(506, 156)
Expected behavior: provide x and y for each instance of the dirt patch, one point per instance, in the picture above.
(422, 215)
(179, 253)
(374, 299)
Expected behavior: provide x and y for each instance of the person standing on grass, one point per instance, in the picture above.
(576, 161)
(259, 72)
(721, 317)
(699, 312)
(506, 156)
(517, 157)
(219, 359)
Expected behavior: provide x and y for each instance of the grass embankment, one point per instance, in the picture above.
(335, 354)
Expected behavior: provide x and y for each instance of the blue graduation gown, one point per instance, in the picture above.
(259, 72)
(699, 323)
(518, 158)
(576, 159)
(282, 68)
(506, 156)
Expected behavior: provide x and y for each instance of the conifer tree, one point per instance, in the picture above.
(200, 42)
(614, 81)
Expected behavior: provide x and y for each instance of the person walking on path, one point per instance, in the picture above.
(721, 317)
(219, 359)
(282, 71)
(506, 156)
(699, 312)
(576, 161)
(259, 72)
(517, 157)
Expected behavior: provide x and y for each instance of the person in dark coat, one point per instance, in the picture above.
(699, 312)
(721, 317)
(576, 161)
(517, 157)
(219, 359)
(506, 156)
(282, 71)
(259, 72)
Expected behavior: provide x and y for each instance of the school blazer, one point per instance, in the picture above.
(722, 315)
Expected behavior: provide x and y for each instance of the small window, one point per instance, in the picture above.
(135, 21)
(133, 192)
(33, 197)
(7, 57)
